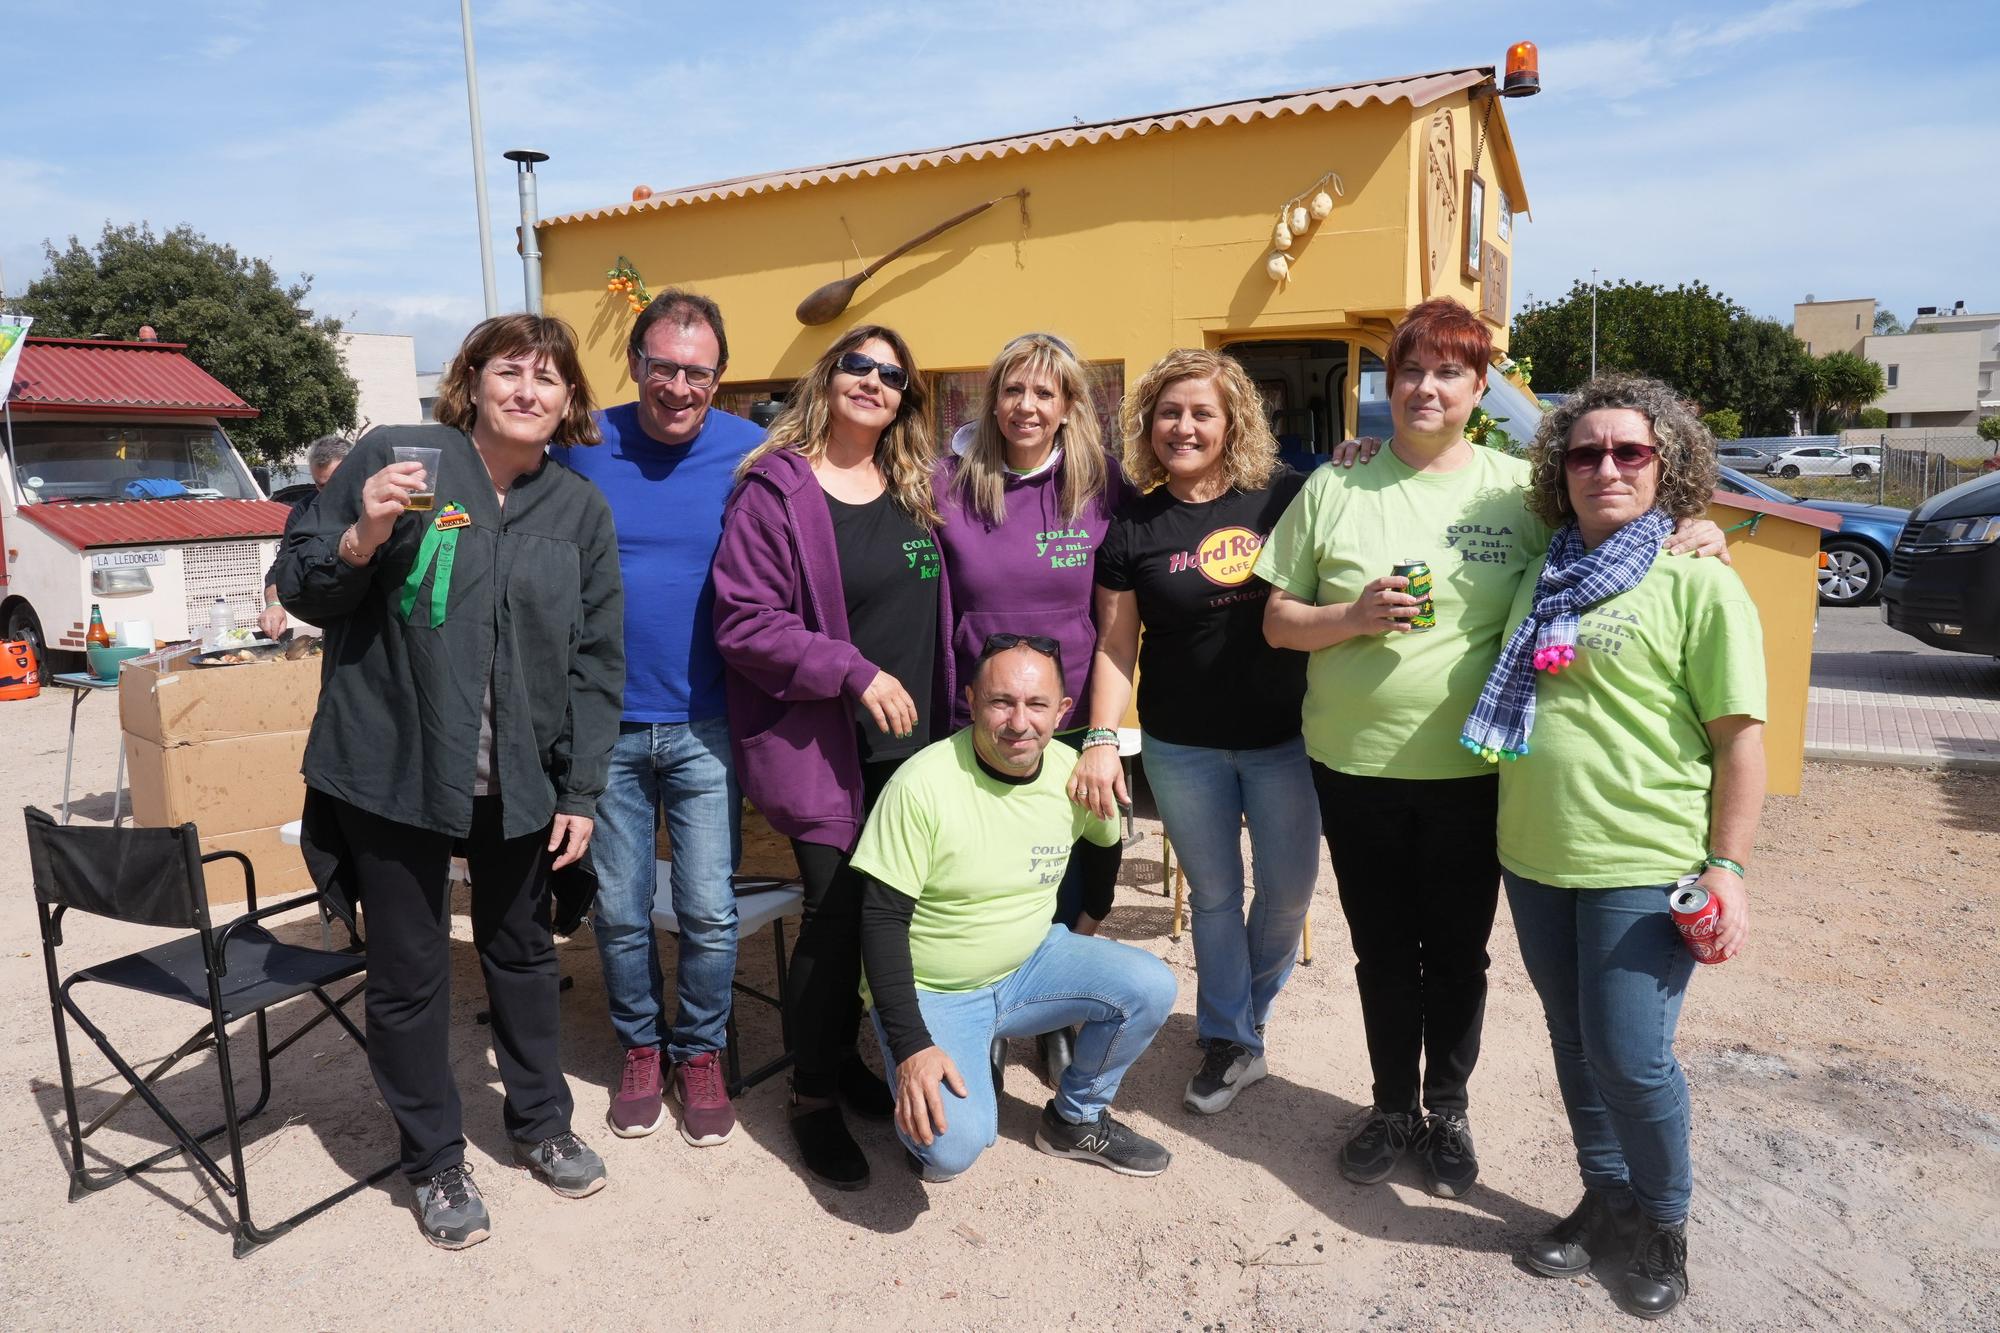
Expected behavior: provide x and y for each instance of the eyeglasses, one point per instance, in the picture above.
(1587, 459)
(658, 371)
(999, 643)
(859, 364)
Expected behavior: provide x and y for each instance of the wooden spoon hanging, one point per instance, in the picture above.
(829, 301)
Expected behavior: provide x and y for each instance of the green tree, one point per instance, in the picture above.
(1844, 383)
(1723, 423)
(1697, 340)
(1872, 418)
(1887, 321)
(1989, 431)
(241, 324)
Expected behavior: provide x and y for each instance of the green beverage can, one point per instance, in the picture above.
(1419, 575)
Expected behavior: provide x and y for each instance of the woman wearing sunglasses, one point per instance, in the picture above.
(830, 609)
(1218, 705)
(1409, 811)
(1624, 673)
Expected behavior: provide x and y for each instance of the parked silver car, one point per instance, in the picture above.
(1822, 460)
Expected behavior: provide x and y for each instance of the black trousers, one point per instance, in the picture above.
(1419, 882)
(823, 984)
(404, 874)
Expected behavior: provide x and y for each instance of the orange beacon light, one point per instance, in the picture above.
(1524, 71)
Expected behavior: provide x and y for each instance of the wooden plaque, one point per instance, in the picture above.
(1493, 287)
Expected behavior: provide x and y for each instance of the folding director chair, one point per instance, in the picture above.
(155, 877)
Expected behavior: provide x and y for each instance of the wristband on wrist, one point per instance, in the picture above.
(1724, 863)
(1094, 738)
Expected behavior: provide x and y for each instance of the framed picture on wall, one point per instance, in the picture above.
(1504, 224)
(1475, 223)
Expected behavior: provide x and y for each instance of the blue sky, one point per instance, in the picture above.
(1836, 147)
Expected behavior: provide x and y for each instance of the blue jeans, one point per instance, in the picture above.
(1204, 796)
(685, 770)
(1120, 994)
(1611, 970)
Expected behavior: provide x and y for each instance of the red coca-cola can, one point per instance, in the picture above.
(1696, 914)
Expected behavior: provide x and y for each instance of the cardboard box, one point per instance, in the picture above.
(225, 786)
(174, 702)
(281, 870)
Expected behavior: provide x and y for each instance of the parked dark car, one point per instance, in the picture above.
(1944, 581)
(1857, 556)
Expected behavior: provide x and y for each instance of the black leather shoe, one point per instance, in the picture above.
(830, 1152)
(1656, 1278)
(1594, 1228)
(862, 1092)
(996, 1055)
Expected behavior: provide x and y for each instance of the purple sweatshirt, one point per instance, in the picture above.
(792, 675)
(1029, 574)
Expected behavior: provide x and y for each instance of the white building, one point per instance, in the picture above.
(384, 366)
(1944, 373)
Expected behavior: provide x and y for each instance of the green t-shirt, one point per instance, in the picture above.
(1392, 704)
(982, 857)
(1614, 789)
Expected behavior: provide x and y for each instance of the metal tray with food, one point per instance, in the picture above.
(258, 650)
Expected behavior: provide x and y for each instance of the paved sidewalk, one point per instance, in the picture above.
(1905, 709)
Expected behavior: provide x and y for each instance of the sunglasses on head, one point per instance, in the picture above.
(999, 643)
(1589, 458)
(858, 364)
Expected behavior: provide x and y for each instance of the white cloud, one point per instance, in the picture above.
(1626, 66)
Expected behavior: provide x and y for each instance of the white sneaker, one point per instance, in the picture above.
(1226, 1069)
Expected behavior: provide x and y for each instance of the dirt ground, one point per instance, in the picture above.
(1847, 1141)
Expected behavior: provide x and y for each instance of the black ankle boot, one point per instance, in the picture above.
(1656, 1278)
(862, 1092)
(1056, 1050)
(830, 1152)
(1594, 1228)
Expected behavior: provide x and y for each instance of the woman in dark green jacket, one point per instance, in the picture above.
(470, 698)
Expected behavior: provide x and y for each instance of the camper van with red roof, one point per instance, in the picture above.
(121, 488)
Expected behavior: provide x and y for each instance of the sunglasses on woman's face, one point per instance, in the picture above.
(858, 364)
(1585, 459)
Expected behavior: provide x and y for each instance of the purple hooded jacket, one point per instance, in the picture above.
(1032, 573)
(793, 676)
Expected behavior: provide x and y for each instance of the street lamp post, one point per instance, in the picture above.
(1593, 323)
(478, 161)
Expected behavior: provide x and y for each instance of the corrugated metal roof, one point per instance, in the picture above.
(142, 522)
(1417, 90)
(92, 375)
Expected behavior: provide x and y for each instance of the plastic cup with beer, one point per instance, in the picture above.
(425, 497)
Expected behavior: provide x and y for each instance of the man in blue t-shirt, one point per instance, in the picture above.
(667, 466)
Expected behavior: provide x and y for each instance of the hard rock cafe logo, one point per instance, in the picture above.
(1225, 556)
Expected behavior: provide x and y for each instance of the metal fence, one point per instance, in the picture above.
(1912, 467)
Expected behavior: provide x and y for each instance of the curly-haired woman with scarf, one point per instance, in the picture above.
(1629, 704)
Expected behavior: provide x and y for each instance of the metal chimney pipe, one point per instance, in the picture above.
(524, 160)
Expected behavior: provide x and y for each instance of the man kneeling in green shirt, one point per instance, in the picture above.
(962, 857)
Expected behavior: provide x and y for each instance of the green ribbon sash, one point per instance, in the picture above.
(440, 548)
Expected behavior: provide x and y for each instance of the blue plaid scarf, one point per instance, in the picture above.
(1573, 580)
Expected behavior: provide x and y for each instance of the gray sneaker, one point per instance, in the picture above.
(1226, 1069)
(450, 1210)
(564, 1163)
(1104, 1141)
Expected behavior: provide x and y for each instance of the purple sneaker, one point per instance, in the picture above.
(707, 1118)
(636, 1108)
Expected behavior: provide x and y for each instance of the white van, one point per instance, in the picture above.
(121, 488)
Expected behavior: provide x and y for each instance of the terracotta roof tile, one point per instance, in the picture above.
(1418, 90)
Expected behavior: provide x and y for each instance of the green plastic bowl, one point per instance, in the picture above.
(104, 661)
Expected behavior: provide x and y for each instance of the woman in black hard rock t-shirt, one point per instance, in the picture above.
(1218, 707)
